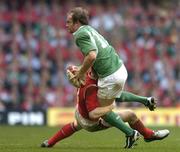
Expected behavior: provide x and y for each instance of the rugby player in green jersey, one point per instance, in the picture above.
(103, 59)
(86, 102)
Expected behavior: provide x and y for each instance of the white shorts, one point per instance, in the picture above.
(111, 86)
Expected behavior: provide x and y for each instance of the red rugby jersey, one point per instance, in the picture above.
(87, 97)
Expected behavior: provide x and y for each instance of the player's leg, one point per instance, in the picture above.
(149, 102)
(135, 123)
(109, 88)
(63, 133)
(115, 120)
(130, 117)
(130, 139)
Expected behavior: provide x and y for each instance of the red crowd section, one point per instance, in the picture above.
(35, 49)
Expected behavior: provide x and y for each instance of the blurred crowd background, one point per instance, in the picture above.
(35, 49)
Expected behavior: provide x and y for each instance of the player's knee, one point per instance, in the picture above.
(76, 125)
(132, 116)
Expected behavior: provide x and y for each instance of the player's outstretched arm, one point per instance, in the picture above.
(88, 62)
(100, 111)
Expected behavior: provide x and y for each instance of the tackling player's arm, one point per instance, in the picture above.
(87, 63)
(100, 111)
(88, 47)
(92, 104)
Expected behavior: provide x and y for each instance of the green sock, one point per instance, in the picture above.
(116, 121)
(130, 97)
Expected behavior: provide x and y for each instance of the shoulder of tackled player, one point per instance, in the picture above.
(89, 90)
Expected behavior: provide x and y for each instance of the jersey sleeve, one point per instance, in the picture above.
(91, 98)
(85, 42)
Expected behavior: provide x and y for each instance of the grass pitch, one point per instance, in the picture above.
(28, 139)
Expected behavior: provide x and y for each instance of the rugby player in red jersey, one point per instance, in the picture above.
(87, 102)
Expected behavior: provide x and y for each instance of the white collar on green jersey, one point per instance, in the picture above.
(78, 29)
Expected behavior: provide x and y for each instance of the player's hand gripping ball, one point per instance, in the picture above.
(71, 73)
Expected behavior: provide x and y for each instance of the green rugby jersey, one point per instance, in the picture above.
(107, 60)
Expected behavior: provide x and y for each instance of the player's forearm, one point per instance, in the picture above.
(100, 111)
(88, 62)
